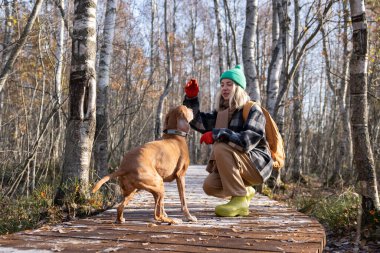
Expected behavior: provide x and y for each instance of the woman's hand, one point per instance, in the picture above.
(207, 138)
(192, 88)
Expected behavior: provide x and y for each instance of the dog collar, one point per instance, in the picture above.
(176, 132)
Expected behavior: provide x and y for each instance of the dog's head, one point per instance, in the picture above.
(179, 118)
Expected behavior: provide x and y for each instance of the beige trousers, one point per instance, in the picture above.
(232, 173)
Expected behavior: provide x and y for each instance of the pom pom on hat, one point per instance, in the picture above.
(237, 75)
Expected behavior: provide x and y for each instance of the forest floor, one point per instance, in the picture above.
(341, 235)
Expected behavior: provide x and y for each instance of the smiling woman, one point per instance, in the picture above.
(227, 88)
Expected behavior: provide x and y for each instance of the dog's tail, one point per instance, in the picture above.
(104, 180)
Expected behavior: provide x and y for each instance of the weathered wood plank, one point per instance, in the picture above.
(270, 227)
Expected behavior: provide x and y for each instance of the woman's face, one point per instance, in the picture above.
(227, 87)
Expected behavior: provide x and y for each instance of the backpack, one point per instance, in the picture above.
(273, 136)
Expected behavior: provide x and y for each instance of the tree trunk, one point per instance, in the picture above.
(220, 37)
(249, 46)
(153, 49)
(345, 145)
(363, 156)
(296, 169)
(284, 20)
(169, 81)
(234, 44)
(58, 83)
(101, 134)
(193, 27)
(17, 49)
(334, 135)
(80, 128)
(274, 69)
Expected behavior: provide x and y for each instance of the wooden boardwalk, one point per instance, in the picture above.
(270, 227)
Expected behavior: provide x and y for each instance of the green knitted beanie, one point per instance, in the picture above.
(236, 74)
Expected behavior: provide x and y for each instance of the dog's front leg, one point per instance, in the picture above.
(181, 191)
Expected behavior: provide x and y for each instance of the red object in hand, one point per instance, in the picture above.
(192, 88)
(207, 138)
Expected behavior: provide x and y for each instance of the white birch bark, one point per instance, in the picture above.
(249, 46)
(152, 42)
(59, 56)
(193, 28)
(363, 156)
(153, 49)
(274, 69)
(219, 36)
(345, 146)
(58, 80)
(234, 44)
(101, 135)
(80, 128)
(296, 170)
(284, 20)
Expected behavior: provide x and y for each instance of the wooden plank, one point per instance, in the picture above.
(270, 227)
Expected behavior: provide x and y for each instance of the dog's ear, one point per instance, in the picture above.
(171, 119)
(183, 118)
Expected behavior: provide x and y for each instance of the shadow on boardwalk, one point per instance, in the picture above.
(270, 227)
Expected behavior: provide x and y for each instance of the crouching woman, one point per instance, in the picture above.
(240, 156)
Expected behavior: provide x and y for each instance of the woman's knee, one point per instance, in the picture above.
(206, 189)
(212, 185)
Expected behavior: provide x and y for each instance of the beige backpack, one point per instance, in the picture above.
(273, 136)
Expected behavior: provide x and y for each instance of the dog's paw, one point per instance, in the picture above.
(168, 220)
(190, 218)
(120, 221)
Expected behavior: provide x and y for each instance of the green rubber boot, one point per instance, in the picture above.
(237, 206)
(250, 193)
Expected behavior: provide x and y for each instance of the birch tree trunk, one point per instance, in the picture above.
(296, 170)
(234, 44)
(193, 27)
(274, 69)
(227, 40)
(59, 56)
(58, 81)
(334, 134)
(152, 42)
(363, 156)
(220, 37)
(101, 133)
(169, 71)
(345, 145)
(17, 49)
(153, 49)
(284, 20)
(249, 46)
(80, 128)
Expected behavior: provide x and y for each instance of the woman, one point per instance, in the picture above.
(241, 156)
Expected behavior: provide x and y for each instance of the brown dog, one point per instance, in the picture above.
(147, 167)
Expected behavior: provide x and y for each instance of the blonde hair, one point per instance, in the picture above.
(238, 99)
